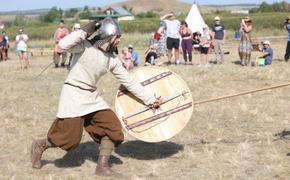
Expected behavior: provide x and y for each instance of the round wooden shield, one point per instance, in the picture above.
(175, 111)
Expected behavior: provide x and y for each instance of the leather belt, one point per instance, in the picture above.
(90, 90)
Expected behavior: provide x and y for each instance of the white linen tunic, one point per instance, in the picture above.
(81, 96)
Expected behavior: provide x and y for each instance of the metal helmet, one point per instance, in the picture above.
(109, 27)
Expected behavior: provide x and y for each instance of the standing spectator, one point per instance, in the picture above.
(60, 33)
(2, 43)
(5, 46)
(134, 55)
(126, 59)
(173, 36)
(161, 49)
(287, 27)
(218, 39)
(72, 59)
(151, 40)
(186, 42)
(204, 46)
(245, 47)
(21, 48)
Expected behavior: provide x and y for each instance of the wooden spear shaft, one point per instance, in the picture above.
(241, 93)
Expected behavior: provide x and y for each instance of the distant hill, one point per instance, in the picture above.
(26, 12)
(233, 6)
(139, 6)
(160, 6)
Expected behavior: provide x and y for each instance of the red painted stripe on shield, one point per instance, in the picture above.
(147, 82)
(159, 116)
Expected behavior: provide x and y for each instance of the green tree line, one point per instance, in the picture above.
(275, 7)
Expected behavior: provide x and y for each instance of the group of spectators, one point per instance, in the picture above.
(176, 37)
(172, 38)
(21, 47)
(129, 57)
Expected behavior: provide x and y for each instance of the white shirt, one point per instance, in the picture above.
(21, 40)
(91, 65)
(172, 28)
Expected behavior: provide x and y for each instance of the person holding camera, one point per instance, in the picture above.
(287, 27)
(245, 47)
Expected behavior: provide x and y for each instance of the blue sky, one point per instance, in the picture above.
(11, 5)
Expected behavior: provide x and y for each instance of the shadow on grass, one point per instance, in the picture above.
(237, 62)
(85, 151)
(148, 151)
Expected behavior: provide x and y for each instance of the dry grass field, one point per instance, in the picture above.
(227, 139)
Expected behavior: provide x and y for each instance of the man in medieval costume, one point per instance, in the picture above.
(80, 104)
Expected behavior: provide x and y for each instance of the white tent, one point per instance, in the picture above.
(194, 19)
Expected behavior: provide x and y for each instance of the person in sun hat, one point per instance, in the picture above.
(245, 47)
(267, 52)
(80, 104)
(219, 34)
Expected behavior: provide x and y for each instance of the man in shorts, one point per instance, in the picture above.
(173, 36)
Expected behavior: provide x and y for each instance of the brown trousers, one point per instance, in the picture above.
(67, 133)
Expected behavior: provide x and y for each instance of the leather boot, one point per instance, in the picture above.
(103, 168)
(37, 148)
